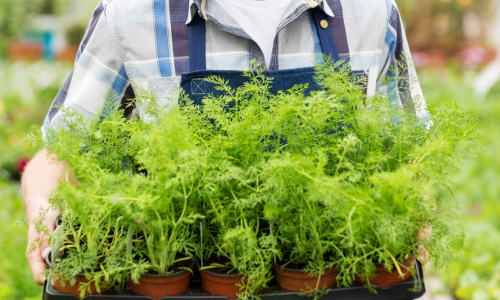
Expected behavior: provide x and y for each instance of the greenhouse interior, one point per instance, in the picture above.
(121, 178)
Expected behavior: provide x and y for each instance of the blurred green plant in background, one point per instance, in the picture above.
(15, 276)
(53, 23)
(14, 14)
(25, 97)
(476, 274)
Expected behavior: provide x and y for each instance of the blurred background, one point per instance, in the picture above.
(455, 46)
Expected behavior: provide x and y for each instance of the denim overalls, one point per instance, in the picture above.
(195, 86)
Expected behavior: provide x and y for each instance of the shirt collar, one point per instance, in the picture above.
(195, 7)
(326, 8)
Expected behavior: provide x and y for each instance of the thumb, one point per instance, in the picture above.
(45, 252)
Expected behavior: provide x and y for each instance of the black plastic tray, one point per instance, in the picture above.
(398, 291)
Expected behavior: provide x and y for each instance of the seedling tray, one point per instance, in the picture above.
(399, 291)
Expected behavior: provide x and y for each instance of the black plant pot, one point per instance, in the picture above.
(59, 221)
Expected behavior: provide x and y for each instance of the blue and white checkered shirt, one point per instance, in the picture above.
(135, 43)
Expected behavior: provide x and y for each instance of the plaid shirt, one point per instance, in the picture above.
(131, 43)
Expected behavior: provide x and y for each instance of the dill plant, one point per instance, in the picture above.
(95, 151)
(344, 180)
(125, 214)
(167, 216)
(333, 179)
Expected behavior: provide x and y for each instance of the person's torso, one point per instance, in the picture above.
(154, 38)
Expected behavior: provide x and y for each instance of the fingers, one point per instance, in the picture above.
(50, 222)
(423, 253)
(425, 234)
(50, 219)
(35, 259)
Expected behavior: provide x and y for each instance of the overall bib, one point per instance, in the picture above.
(195, 86)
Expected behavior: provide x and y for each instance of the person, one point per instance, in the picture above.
(162, 45)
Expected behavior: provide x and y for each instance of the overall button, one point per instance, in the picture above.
(324, 24)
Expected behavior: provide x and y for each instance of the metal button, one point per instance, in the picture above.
(324, 24)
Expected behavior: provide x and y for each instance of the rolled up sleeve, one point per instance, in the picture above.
(98, 70)
(399, 75)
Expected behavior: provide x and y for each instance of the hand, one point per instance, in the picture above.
(424, 235)
(36, 258)
(40, 178)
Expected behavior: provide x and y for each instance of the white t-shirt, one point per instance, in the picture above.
(259, 19)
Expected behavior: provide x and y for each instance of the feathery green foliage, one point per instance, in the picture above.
(335, 179)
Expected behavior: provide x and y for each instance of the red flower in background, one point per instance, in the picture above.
(21, 164)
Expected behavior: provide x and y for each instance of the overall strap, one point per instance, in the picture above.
(326, 34)
(197, 46)
(197, 39)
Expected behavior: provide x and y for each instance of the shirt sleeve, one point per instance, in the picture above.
(401, 81)
(98, 69)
